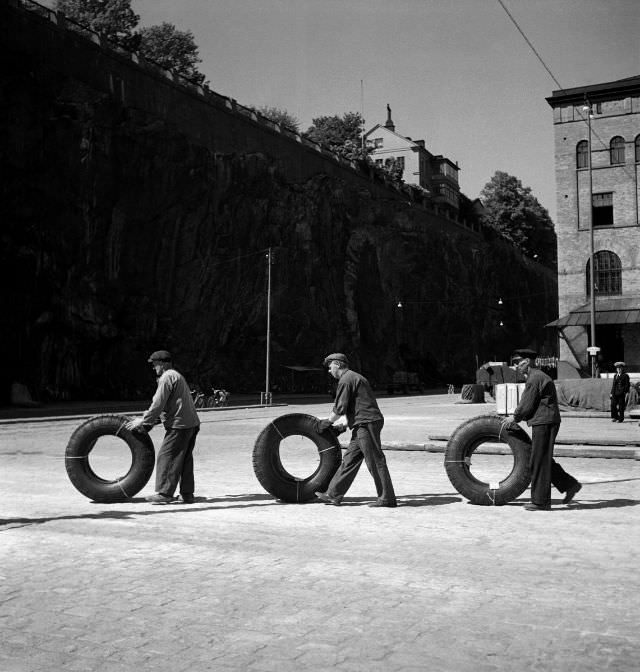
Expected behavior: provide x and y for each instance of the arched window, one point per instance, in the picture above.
(637, 148)
(617, 150)
(608, 276)
(582, 154)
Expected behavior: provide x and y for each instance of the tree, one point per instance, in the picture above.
(342, 135)
(280, 116)
(393, 170)
(113, 18)
(516, 213)
(169, 47)
(172, 49)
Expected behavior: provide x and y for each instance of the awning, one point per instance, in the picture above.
(608, 311)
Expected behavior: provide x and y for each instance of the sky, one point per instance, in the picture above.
(456, 73)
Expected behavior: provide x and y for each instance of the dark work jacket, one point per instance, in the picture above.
(539, 402)
(354, 398)
(621, 384)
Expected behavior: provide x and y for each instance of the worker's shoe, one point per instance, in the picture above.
(382, 503)
(159, 498)
(186, 498)
(324, 497)
(571, 492)
(536, 507)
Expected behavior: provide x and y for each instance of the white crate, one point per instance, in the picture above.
(508, 396)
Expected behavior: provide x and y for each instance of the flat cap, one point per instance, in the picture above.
(160, 356)
(619, 364)
(524, 353)
(336, 356)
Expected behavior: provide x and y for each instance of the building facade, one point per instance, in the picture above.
(597, 160)
(437, 174)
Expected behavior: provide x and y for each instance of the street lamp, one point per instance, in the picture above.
(593, 350)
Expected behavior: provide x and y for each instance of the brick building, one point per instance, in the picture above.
(436, 174)
(598, 184)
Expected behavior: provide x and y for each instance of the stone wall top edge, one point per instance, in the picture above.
(222, 103)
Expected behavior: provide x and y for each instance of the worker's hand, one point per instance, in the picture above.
(509, 423)
(134, 424)
(322, 425)
(341, 423)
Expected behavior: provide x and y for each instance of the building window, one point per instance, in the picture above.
(608, 276)
(449, 171)
(602, 209)
(379, 162)
(377, 143)
(598, 108)
(617, 150)
(582, 154)
(400, 162)
(638, 149)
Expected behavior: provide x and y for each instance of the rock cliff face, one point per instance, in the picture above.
(121, 236)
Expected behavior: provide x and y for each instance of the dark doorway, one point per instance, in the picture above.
(609, 339)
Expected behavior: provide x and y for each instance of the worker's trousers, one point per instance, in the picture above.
(545, 471)
(175, 462)
(365, 444)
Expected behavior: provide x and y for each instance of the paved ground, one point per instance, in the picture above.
(240, 582)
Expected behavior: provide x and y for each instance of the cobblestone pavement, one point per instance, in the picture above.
(240, 582)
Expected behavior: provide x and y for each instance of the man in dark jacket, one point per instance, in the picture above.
(619, 391)
(355, 400)
(539, 407)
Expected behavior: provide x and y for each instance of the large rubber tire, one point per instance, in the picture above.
(85, 480)
(274, 478)
(457, 461)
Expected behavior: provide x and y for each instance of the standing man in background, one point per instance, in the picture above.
(355, 400)
(619, 391)
(173, 405)
(539, 407)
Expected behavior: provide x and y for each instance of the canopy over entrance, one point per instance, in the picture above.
(608, 311)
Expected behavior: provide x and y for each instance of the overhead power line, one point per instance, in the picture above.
(515, 23)
(546, 67)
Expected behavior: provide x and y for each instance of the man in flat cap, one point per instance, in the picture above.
(355, 400)
(619, 391)
(173, 405)
(539, 407)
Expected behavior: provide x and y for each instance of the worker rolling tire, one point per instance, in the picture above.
(465, 439)
(272, 475)
(86, 481)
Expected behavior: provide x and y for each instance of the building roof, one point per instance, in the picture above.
(607, 90)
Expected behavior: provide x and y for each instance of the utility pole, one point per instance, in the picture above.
(266, 395)
(593, 349)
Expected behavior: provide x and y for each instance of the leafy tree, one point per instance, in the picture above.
(166, 45)
(280, 116)
(114, 18)
(516, 213)
(393, 169)
(172, 49)
(340, 134)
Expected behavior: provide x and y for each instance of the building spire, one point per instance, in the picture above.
(390, 125)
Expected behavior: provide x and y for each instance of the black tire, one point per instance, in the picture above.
(467, 392)
(457, 461)
(87, 481)
(274, 478)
